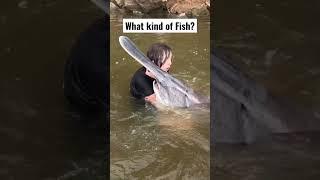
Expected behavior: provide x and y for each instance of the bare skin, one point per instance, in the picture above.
(165, 67)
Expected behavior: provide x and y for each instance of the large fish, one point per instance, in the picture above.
(169, 90)
(244, 111)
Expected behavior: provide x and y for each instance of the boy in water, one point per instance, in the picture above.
(141, 86)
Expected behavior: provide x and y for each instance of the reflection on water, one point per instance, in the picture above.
(150, 143)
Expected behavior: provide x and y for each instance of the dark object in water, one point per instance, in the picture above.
(244, 112)
(86, 76)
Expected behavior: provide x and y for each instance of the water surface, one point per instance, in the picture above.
(148, 143)
(41, 137)
(276, 44)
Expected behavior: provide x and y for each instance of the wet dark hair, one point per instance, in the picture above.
(159, 53)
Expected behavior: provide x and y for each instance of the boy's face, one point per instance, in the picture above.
(167, 64)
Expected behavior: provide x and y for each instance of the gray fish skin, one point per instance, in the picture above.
(243, 111)
(169, 90)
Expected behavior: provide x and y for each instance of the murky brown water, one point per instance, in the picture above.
(147, 143)
(275, 43)
(40, 136)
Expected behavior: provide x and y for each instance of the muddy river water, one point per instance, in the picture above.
(275, 42)
(148, 143)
